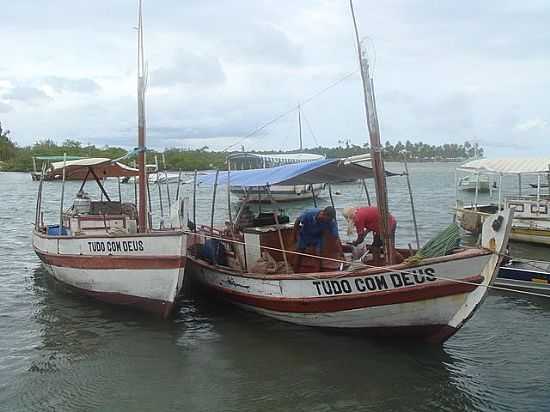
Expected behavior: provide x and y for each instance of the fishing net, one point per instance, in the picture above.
(441, 245)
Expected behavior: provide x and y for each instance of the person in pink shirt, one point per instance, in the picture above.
(366, 220)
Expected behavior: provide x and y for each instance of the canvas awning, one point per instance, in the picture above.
(507, 166)
(57, 158)
(102, 167)
(317, 171)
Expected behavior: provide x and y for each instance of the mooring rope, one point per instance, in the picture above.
(366, 266)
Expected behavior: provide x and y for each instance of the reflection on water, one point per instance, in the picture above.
(61, 351)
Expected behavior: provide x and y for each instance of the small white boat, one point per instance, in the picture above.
(277, 193)
(470, 182)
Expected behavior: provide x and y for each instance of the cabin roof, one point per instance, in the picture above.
(102, 167)
(533, 166)
(314, 172)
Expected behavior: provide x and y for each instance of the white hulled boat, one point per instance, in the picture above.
(279, 193)
(106, 248)
(424, 297)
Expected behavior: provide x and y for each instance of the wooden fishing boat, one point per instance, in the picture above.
(422, 297)
(431, 299)
(108, 248)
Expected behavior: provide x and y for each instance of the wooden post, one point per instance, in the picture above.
(313, 196)
(179, 184)
(62, 195)
(135, 187)
(39, 197)
(281, 241)
(412, 201)
(119, 191)
(330, 195)
(229, 195)
(213, 203)
(195, 201)
(366, 191)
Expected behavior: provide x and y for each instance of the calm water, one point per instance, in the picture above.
(62, 352)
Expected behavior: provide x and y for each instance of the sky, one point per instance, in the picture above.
(444, 72)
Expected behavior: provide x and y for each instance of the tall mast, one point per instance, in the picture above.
(376, 147)
(141, 85)
(300, 126)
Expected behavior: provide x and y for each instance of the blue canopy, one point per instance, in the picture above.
(317, 171)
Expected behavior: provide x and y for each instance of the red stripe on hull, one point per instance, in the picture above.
(341, 303)
(113, 262)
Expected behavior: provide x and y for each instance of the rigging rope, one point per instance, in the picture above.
(294, 108)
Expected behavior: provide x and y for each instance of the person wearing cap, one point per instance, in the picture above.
(310, 227)
(366, 220)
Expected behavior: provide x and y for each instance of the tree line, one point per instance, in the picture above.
(16, 158)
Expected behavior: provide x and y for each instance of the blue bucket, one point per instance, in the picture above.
(53, 230)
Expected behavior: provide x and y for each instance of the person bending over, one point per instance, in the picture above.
(367, 219)
(310, 227)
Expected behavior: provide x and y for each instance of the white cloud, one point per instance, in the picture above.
(531, 124)
(5, 108)
(63, 84)
(26, 94)
(221, 69)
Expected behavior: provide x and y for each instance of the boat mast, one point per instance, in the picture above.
(142, 207)
(376, 147)
(300, 126)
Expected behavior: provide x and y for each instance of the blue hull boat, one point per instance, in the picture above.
(532, 276)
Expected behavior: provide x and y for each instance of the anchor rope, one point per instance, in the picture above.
(382, 268)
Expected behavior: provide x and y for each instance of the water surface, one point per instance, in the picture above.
(62, 352)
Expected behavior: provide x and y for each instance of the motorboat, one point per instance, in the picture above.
(522, 274)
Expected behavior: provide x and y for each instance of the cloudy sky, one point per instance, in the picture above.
(444, 72)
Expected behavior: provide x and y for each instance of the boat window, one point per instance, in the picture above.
(519, 206)
(540, 209)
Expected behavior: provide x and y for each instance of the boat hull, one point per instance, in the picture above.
(280, 193)
(145, 272)
(392, 303)
(532, 276)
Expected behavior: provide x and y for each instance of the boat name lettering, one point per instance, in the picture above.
(373, 283)
(116, 246)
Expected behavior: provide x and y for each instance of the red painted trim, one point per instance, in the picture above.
(349, 302)
(113, 262)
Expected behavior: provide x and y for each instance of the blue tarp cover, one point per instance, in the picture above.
(317, 171)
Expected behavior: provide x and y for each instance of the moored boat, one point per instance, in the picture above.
(430, 296)
(532, 211)
(108, 248)
(527, 275)
(278, 193)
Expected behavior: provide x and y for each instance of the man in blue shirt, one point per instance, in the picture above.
(310, 227)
